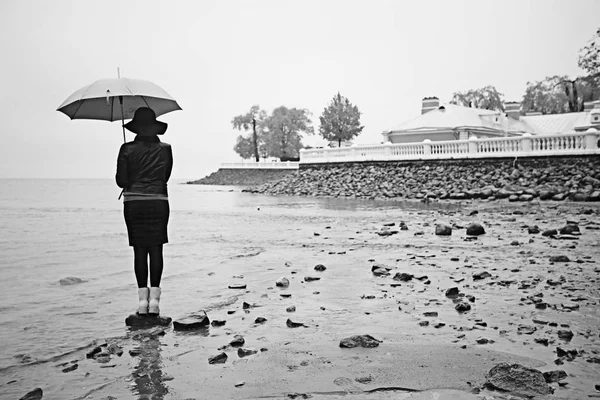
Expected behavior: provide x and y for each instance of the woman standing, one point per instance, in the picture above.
(143, 170)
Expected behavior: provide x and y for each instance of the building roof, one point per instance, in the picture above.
(556, 123)
(450, 116)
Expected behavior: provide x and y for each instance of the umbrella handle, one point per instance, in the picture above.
(122, 119)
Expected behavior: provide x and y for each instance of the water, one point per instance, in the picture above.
(55, 229)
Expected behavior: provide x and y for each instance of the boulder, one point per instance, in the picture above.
(578, 196)
(200, 321)
(555, 376)
(550, 232)
(320, 267)
(462, 307)
(35, 394)
(452, 292)
(367, 341)
(475, 229)
(403, 277)
(569, 229)
(559, 259)
(443, 230)
(518, 380)
(481, 275)
(147, 321)
(218, 359)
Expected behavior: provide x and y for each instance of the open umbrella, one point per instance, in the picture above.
(117, 99)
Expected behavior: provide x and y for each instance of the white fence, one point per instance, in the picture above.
(521, 146)
(261, 165)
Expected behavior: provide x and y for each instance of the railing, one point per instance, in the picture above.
(261, 165)
(521, 146)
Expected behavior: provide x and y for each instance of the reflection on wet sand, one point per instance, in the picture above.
(148, 377)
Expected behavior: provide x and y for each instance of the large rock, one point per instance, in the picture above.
(282, 282)
(517, 380)
(570, 229)
(443, 230)
(360, 340)
(35, 394)
(200, 321)
(475, 229)
(555, 376)
(147, 321)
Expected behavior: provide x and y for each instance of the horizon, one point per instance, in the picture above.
(218, 59)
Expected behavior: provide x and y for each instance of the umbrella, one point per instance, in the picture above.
(117, 99)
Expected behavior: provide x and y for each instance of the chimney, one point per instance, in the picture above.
(429, 104)
(513, 109)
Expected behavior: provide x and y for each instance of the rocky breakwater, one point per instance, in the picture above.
(575, 178)
(240, 176)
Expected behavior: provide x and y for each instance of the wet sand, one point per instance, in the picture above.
(413, 361)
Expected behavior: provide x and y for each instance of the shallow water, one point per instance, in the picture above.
(56, 229)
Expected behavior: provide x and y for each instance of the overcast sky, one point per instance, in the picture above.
(218, 58)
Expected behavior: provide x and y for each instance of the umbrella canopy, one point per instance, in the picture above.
(102, 100)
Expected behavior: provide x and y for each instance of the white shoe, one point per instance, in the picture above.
(143, 301)
(154, 299)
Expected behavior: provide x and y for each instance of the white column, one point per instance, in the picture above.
(473, 145)
(591, 140)
(427, 148)
(526, 142)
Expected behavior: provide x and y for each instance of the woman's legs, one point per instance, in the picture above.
(140, 265)
(156, 264)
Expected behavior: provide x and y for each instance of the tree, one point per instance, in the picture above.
(589, 56)
(283, 131)
(552, 95)
(251, 120)
(487, 98)
(340, 120)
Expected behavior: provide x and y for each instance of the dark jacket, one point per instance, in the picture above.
(144, 165)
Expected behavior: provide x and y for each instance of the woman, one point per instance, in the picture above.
(143, 169)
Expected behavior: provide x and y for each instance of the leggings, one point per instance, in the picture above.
(140, 264)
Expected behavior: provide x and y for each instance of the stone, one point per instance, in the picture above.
(238, 341)
(443, 230)
(579, 196)
(220, 358)
(430, 313)
(526, 197)
(559, 259)
(569, 229)
(424, 323)
(240, 383)
(35, 394)
(93, 352)
(554, 376)
(217, 322)
(70, 368)
(115, 349)
(260, 320)
(481, 275)
(291, 309)
(147, 321)
(282, 282)
(311, 278)
(482, 340)
(367, 341)
(518, 380)
(513, 197)
(320, 267)
(245, 352)
(237, 286)
(546, 195)
(526, 330)
(71, 280)
(403, 277)
(452, 292)
(475, 229)
(532, 230)
(565, 335)
(542, 341)
(462, 307)
(559, 197)
(550, 232)
(193, 323)
(291, 324)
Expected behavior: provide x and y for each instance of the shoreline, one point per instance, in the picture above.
(349, 299)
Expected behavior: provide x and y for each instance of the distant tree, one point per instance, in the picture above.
(487, 98)
(250, 122)
(549, 96)
(340, 121)
(589, 56)
(283, 131)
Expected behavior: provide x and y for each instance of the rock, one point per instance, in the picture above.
(559, 197)
(517, 380)
(550, 232)
(237, 286)
(526, 330)
(192, 323)
(246, 352)
(513, 197)
(35, 394)
(559, 259)
(423, 323)
(292, 324)
(93, 352)
(386, 233)
(462, 307)
(218, 359)
(379, 271)
(239, 384)
(70, 280)
(579, 196)
(526, 197)
(439, 325)
(430, 313)
(147, 321)
(217, 322)
(311, 278)
(565, 335)
(569, 229)
(546, 195)
(238, 341)
(532, 230)
(443, 230)
(481, 275)
(115, 349)
(360, 340)
(291, 309)
(282, 282)
(554, 376)
(542, 341)
(403, 277)
(482, 340)
(320, 267)
(452, 292)
(260, 320)
(70, 368)
(475, 230)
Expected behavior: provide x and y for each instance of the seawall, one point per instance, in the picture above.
(237, 176)
(518, 179)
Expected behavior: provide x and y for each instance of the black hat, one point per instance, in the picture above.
(144, 123)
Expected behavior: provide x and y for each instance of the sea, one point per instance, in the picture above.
(67, 270)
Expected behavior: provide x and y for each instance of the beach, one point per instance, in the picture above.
(220, 237)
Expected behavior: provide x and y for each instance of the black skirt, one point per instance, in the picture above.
(146, 221)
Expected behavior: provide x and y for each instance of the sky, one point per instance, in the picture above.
(218, 58)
